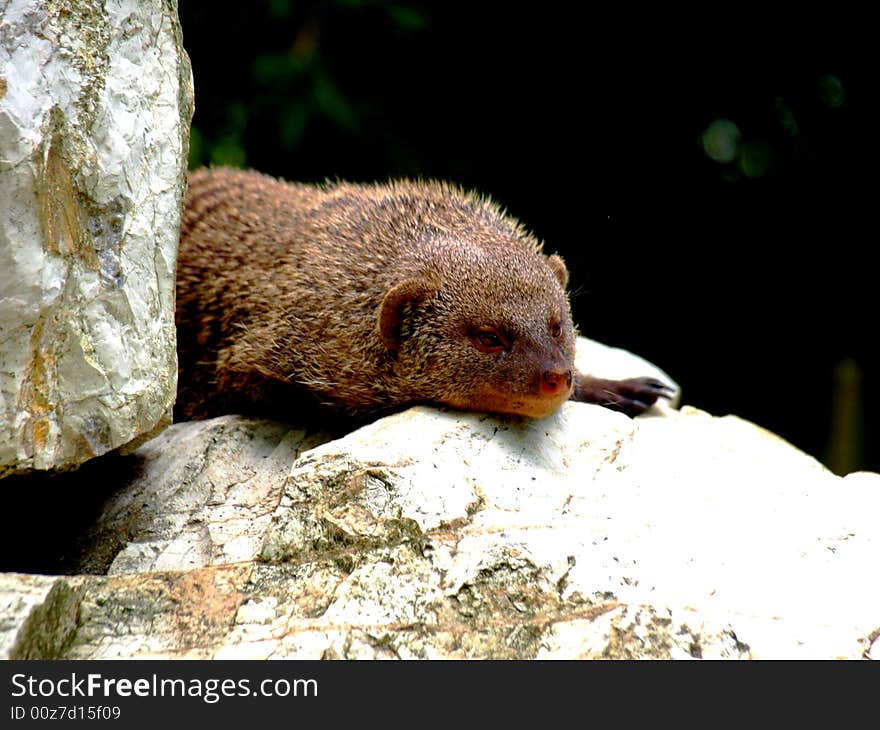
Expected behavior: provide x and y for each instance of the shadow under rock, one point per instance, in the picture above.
(48, 515)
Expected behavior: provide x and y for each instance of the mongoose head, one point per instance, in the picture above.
(483, 328)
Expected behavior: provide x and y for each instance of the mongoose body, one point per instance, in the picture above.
(364, 299)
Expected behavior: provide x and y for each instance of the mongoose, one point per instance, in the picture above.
(368, 298)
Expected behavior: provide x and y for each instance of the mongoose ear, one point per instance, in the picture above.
(391, 309)
(559, 268)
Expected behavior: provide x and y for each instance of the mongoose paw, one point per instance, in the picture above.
(631, 396)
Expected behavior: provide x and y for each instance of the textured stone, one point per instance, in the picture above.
(718, 538)
(433, 534)
(204, 495)
(38, 615)
(95, 103)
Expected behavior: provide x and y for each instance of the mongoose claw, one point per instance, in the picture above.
(631, 396)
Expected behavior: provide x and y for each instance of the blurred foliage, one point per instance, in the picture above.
(283, 79)
(366, 89)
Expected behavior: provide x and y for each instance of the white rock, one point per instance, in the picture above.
(38, 615)
(432, 534)
(685, 512)
(95, 103)
(204, 495)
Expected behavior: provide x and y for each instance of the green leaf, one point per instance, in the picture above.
(229, 152)
(332, 103)
(407, 18)
(196, 148)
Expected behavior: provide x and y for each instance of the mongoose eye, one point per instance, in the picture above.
(488, 339)
(555, 330)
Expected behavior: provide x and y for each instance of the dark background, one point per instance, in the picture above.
(706, 177)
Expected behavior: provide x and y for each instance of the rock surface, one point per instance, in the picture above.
(95, 104)
(205, 495)
(433, 534)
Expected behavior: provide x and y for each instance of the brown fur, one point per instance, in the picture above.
(367, 299)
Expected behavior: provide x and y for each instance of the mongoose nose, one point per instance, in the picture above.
(553, 381)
